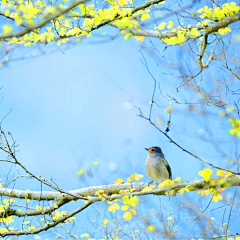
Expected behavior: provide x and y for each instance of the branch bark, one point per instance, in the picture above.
(207, 30)
(109, 190)
(43, 22)
(75, 4)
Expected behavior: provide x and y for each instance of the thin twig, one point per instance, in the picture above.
(185, 150)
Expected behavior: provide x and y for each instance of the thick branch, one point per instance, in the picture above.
(75, 4)
(111, 189)
(134, 10)
(111, 192)
(43, 22)
(163, 34)
(207, 30)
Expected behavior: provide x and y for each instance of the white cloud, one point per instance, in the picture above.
(127, 105)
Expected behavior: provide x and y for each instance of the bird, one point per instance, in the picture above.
(157, 167)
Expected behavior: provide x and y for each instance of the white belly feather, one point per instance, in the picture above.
(156, 169)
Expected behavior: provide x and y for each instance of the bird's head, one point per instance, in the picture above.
(155, 151)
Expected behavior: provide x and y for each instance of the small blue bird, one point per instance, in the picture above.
(156, 165)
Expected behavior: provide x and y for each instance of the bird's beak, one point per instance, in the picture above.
(146, 149)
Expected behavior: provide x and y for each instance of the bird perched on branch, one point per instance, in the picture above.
(156, 165)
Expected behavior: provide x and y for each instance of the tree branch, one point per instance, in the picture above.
(47, 226)
(43, 22)
(183, 149)
(207, 30)
(111, 189)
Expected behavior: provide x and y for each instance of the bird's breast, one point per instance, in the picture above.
(156, 169)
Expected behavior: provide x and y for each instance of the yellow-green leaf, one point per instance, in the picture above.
(150, 228)
(169, 110)
(127, 216)
(205, 174)
(127, 36)
(7, 29)
(125, 207)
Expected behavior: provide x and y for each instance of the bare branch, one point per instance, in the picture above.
(185, 150)
(50, 225)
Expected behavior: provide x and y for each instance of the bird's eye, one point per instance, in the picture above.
(153, 150)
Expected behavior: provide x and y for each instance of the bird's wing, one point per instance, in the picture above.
(168, 168)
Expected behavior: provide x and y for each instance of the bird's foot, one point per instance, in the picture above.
(150, 183)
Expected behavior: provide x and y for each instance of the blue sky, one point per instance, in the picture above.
(73, 108)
